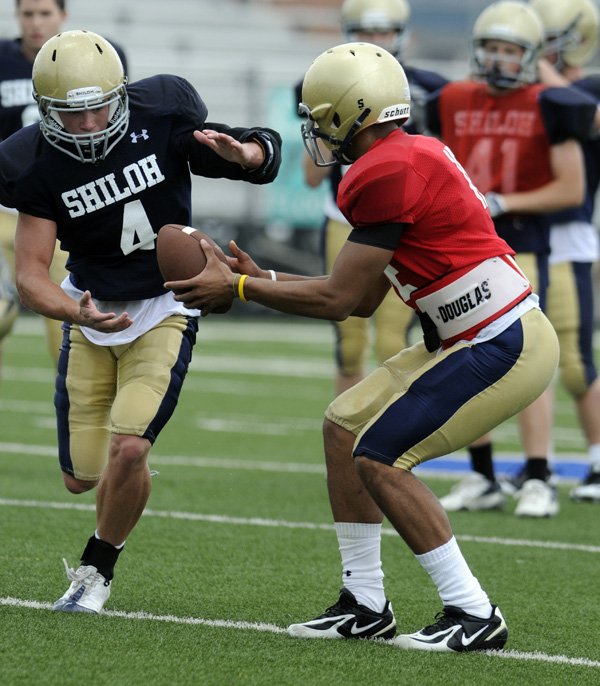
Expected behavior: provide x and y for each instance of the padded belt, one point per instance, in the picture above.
(474, 299)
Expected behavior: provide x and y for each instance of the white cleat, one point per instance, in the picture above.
(537, 498)
(474, 493)
(589, 490)
(88, 591)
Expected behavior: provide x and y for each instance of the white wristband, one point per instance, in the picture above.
(273, 275)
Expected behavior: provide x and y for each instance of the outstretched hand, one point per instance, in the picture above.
(209, 291)
(249, 155)
(106, 322)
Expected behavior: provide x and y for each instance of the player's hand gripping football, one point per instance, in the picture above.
(106, 322)
(209, 291)
(212, 290)
(250, 155)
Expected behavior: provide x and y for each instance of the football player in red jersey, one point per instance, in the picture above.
(518, 141)
(38, 21)
(421, 227)
(107, 166)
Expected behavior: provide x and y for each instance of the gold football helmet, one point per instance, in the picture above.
(571, 29)
(376, 16)
(347, 89)
(75, 71)
(514, 22)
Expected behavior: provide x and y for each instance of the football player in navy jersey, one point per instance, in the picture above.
(520, 143)
(107, 166)
(38, 20)
(421, 227)
(571, 38)
(384, 23)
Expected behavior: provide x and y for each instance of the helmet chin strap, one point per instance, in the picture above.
(341, 153)
(500, 81)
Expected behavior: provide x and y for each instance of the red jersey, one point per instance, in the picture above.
(416, 181)
(501, 141)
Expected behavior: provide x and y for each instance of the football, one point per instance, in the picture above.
(179, 253)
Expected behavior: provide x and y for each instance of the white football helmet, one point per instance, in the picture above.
(514, 22)
(376, 16)
(571, 29)
(347, 89)
(75, 71)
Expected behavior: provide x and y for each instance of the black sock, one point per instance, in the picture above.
(101, 555)
(481, 460)
(537, 468)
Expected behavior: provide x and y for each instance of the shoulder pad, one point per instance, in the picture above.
(427, 80)
(567, 113)
(589, 84)
(168, 94)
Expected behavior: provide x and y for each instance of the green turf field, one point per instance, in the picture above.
(237, 541)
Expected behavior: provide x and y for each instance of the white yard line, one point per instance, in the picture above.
(274, 629)
(286, 524)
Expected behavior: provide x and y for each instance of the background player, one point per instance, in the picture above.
(571, 37)
(518, 142)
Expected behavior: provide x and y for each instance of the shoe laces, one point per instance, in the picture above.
(337, 608)
(85, 574)
(344, 605)
(444, 619)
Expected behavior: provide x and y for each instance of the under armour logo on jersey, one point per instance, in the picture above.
(136, 136)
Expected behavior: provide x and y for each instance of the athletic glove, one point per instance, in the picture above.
(496, 204)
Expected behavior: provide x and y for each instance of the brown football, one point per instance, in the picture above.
(179, 253)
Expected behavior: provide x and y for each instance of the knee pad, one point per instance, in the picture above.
(573, 379)
(352, 341)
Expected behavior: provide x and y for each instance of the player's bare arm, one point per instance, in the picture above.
(355, 275)
(567, 188)
(34, 247)
(249, 155)
(373, 298)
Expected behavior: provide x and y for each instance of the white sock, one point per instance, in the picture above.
(118, 547)
(594, 455)
(454, 580)
(360, 549)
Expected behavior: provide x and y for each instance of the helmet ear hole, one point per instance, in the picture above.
(336, 121)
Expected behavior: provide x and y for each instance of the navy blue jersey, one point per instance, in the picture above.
(591, 156)
(17, 106)
(422, 82)
(108, 214)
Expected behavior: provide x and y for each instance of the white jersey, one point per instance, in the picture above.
(575, 241)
